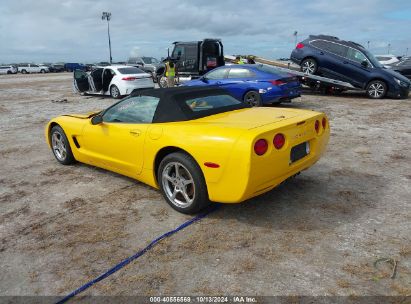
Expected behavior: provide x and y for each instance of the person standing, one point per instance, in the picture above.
(170, 73)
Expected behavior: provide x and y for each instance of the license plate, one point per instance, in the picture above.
(299, 151)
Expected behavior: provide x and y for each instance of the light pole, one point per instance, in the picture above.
(107, 16)
(295, 37)
(389, 48)
(406, 52)
(368, 44)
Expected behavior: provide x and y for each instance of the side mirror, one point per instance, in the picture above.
(364, 63)
(96, 120)
(204, 79)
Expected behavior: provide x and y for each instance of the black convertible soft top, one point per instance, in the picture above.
(172, 105)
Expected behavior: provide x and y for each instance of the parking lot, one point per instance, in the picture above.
(318, 234)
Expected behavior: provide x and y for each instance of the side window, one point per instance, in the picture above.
(216, 74)
(337, 49)
(240, 73)
(136, 109)
(178, 51)
(356, 55)
(321, 44)
(34, 65)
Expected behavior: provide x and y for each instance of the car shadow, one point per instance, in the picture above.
(316, 200)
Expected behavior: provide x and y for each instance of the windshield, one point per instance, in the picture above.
(130, 71)
(149, 60)
(372, 59)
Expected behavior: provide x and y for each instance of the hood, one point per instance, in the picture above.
(251, 118)
(397, 75)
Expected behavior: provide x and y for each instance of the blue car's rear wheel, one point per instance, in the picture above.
(182, 183)
(253, 98)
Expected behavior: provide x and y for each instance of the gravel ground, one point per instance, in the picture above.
(318, 234)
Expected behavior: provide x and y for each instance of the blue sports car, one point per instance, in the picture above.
(255, 84)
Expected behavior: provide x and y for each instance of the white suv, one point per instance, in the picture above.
(8, 69)
(25, 68)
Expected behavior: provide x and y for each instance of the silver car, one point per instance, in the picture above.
(147, 64)
(8, 69)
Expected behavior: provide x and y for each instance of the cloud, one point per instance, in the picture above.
(72, 30)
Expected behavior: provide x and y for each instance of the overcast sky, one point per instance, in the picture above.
(72, 30)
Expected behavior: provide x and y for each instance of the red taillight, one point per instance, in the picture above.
(260, 147)
(277, 82)
(324, 122)
(279, 141)
(317, 126)
(299, 46)
(129, 78)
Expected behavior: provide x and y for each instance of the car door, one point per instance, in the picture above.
(34, 68)
(117, 143)
(215, 77)
(334, 57)
(81, 83)
(238, 81)
(357, 67)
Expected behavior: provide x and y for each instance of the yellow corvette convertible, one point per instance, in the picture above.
(198, 145)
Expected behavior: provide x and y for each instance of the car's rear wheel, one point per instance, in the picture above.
(42, 71)
(253, 98)
(8, 72)
(309, 66)
(376, 89)
(182, 183)
(23, 71)
(60, 146)
(114, 91)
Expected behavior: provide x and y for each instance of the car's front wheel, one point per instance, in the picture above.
(60, 146)
(376, 89)
(23, 71)
(182, 183)
(43, 71)
(309, 66)
(253, 98)
(114, 91)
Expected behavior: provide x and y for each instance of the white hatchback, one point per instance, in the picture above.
(114, 80)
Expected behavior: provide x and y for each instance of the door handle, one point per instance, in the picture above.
(321, 53)
(135, 132)
(219, 82)
(345, 62)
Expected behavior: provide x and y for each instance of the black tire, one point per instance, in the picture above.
(309, 66)
(42, 71)
(253, 98)
(188, 170)
(68, 157)
(115, 92)
(23, 71)
(376, 89)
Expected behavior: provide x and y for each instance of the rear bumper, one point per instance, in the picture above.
(260, 174)
(278, 94)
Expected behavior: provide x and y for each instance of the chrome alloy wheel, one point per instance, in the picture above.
(308, 67)
(252, 99)
(115, 92)
(59, 147)
(376, 90)
(163, 82)
(178, 184)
